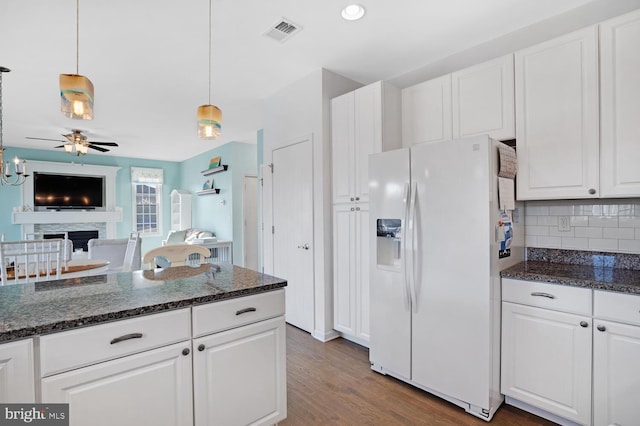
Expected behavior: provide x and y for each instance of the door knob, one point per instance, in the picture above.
(304, 246)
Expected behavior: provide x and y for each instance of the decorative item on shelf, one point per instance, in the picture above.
(76, 91)
(209, 116)
(207, 185)
(209, 191)
(20, 166)
(220, 168)
(214, 162)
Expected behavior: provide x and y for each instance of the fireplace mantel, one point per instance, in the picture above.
(25, 216)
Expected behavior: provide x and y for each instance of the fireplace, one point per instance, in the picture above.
(79, 238)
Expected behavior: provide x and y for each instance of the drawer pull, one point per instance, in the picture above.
(245, 310)
(584, 324)
(126, 337)
(540, 294)
(601, 328)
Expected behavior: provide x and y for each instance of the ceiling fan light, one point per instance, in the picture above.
(76, 96)
(81, 148)
(68, 147)
(209, 122)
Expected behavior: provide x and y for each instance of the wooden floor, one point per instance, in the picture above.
(332, 384)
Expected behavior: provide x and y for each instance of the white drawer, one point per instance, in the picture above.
(546, 295)
(620, 307)
(232, 313)
(93, 344)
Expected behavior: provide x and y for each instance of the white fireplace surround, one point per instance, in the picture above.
(26, 216)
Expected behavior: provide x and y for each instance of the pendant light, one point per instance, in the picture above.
(76, 91)
(20, 166)
(209, 116)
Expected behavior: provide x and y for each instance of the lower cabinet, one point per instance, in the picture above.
(17, 381)
(153, 387)
(546, 360)
(240, 375)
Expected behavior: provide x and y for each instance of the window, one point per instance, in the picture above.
(147, 200)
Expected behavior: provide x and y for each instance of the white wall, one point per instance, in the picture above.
(299, 110)
(595, 225)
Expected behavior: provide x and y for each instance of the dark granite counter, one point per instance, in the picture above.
(597, 278)
(51, 306)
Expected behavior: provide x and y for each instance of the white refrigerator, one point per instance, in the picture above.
(435, 269)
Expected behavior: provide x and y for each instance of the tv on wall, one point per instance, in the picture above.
(60, 191)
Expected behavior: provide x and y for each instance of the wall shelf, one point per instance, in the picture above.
(209, 191)
(220, 168)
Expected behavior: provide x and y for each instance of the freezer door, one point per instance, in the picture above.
(451, 317)
(390, 344)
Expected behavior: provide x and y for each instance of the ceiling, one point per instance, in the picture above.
(148, 59)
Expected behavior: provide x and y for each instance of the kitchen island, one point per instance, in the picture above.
(174, 346)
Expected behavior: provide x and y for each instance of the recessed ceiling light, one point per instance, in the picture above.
(353, 12)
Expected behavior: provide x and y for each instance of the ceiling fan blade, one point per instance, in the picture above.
(59, 146)
(44, 139)
(104, 143)
(97, 148)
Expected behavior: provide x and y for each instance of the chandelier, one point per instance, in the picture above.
(20, 166)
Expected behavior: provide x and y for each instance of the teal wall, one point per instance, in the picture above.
(220, 213)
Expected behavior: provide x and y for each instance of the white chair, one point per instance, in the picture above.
(177, 255)
(30, 260)
(67, 247)
(114, 251)
(133, 246)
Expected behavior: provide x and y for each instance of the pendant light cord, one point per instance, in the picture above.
(209, 52)
(77, 37)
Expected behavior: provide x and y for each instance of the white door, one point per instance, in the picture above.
(362, 265)
(293, 229)
(344, 268)
(150, 388)
(368, 136)
(342, 147)
(546, 360)
(557, 117)
(616, 387)
(426, 112)
(250, 222)
(620, 106)
(237, 366)
(16, 372)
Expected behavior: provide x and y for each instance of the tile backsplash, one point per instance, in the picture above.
(593, 225)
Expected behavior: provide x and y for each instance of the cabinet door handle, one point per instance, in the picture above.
(186, 351)
(245, 310)
(540, 294)
(584, 324)
(601, 328)
(351, 198)
(126, 337)
(592, 191)
(357, 198)
(201, 347)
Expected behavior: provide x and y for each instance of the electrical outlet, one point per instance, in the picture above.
(564, 225)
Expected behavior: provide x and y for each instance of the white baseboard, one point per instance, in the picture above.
(325, 336)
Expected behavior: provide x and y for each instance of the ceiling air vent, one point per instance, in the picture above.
(282, 30)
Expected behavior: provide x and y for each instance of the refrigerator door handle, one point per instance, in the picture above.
(412, 246)
(404, 248)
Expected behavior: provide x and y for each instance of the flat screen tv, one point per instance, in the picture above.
(61, 191)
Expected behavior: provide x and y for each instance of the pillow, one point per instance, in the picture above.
(176, 237)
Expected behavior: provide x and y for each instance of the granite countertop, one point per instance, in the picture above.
(51, 306)
(595, 277)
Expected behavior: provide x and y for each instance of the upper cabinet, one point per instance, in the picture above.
(363, 122)
(620, 106)
(426, 112)
(483, 100)
(556, 86)
(473, 101)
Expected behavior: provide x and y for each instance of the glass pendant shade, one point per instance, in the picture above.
(76, 95)
(209, 122)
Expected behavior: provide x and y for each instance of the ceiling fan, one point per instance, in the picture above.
(77, 143)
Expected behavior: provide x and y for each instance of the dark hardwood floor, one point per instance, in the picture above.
(332, 384)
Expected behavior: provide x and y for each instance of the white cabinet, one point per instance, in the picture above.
(546, 353)
(616, 351)
(363, 122)
(620, 106)
(556, 85)
(180, 210)
(17, 381)
(152, 387)
(426, 112)
(351, 271)
(483, 100)
(240, 375)
(546, 360)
